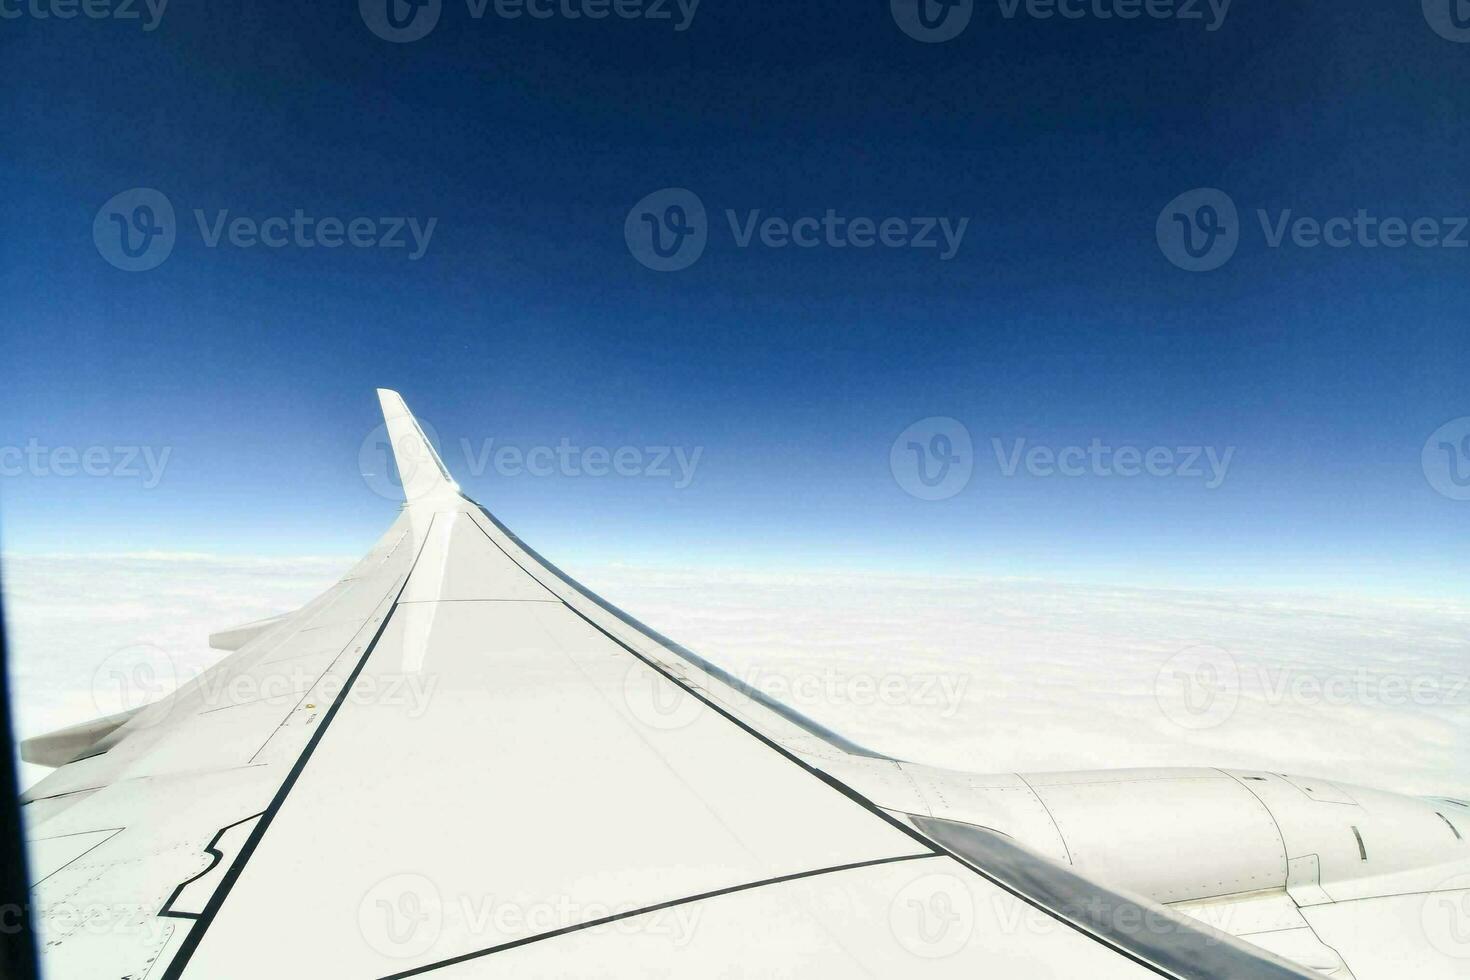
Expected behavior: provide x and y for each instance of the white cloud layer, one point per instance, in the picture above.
(1059, 676)
(977, 674)
(72, 618)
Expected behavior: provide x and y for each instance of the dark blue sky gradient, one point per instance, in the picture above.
(528, 320)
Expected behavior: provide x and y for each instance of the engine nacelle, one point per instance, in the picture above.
(1280, 861)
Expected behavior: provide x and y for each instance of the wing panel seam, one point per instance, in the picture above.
(191, 942)
(631, 913)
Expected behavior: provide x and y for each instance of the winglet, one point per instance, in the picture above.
(419, 466)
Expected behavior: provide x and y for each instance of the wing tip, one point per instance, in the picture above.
(392, 404)
(421, 471)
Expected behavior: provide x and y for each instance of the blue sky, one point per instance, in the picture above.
(527, 320)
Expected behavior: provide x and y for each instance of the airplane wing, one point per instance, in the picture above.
(457, 762)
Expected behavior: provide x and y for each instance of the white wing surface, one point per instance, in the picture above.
(458, 763)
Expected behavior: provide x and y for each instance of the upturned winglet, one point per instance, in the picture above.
(420, 469)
